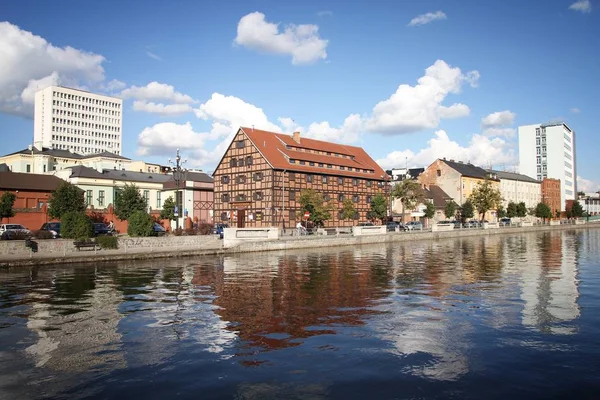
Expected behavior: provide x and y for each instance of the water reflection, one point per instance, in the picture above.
(428, 310)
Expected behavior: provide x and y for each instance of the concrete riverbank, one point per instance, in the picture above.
(14, 253)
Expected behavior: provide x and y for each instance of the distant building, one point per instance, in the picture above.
(261, 175)
(548, 151)
(399, 174)
(77, 121)
(551, 194)
(196, 191)
(590, 203)
(518, 188)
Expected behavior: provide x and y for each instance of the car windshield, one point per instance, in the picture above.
(14, 226)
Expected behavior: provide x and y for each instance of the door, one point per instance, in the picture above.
(241, 218)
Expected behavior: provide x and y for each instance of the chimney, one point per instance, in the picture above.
(296, 137)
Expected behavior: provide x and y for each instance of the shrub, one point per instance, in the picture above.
(140, 223)
(178, 232)
(42, 235)
(76, 225)
(205, 229)
(108, 242)
(191, 232)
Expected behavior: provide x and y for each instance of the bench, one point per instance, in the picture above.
(86, 245)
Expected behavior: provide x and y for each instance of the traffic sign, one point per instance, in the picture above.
(306, 215)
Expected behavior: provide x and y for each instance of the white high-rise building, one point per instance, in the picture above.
(76, 120)
(548, 151)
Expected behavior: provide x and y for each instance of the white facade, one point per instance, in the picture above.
(79, 121)
(548, 151)
(519, 188)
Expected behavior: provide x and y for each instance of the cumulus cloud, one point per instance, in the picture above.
(498, 124)
(481, 150)
(115, 85)
(29, 61)
(302, 42)
(156, 91)
(414, 108)
(161, 109)
(583, 6)
(586, 185)
(347, 133)
(426, 18)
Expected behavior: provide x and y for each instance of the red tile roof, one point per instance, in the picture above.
(273, 146)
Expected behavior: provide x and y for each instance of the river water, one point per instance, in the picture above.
(508, 316)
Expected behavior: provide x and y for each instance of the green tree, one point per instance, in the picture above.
(501, 212)
(485, 197)
(129, 200)
(168, 209)
(66, 198)
(511, 210)
(557, 214)
(378, 207)
(410, 193)
(581, 194)
(76, 225)
(140, 223)
(348, 209)
(450, 209)
(7, 201)
(577, 209)
(466, 210)
(312, 201)
(542, 210)
(429, 209)
(521, 210)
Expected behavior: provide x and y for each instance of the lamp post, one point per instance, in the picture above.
(177, 170)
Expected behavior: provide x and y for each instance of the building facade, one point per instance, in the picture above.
(548, 151)
(196, 191)
(590, 203)
(259, 180)
(78, 121)
(518, 188)
(551, 194)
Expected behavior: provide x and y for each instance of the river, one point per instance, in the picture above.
(494, 317)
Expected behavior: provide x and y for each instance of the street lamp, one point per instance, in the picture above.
(177, 171)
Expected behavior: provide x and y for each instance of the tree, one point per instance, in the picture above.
(7, 201)
(577, 209)
(581, 194)
(485, 197)
(378, 207)
(312, 201)
(168, 209)
(129, 200)
(466, 210)
(76, 225)
(542, 210)
(521, 210)
(410, 193)
(501, 212)
(511, 210)
(66, 198)
(450, 209)
(140, 223)
(429, 209)
(348, 209)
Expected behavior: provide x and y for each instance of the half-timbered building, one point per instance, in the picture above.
(261, 175)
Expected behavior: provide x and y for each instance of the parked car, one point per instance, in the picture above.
(53, 227)
(158, 229)
(505, 221)
(366, 224)
(414, 226)
(101, 229)
(14, 231)
(391, 226)
(218, 229)
(471, 224)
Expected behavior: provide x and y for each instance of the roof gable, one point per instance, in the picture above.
(468, 169)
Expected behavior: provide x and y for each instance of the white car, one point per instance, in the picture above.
(414, 226)
(13, 231)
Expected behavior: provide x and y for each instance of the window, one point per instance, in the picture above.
(309, 178)
(292, 195)
(538, 160)
(356, 216)
(89, 197)
(342, 168)
(326, 197)
(233, 163)
(28, 168)
(320, 165)
(302, 163)
(439, 172)
(158, 199)
(225, 197)
(241, 179)
(258, 196)
(292, 161)
(292, 215)
(249, 160)
(241, 162)
(292, 176)
(44, 168)
(369, 199)
(369, 183)
(355, 198)
(324, 179)
(340, 180)
(329, 165)
(240, 144)
(355, 182)
(312, 164)
(224, 216)
(258, 176)
(538, 151)
(240, 197)
(340, 197)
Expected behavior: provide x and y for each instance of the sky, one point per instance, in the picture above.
(409, 81)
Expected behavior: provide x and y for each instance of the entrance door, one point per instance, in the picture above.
(241, 218)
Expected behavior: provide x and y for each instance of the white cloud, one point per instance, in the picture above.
(575, 110)
(161, 109)
(427, 18)
(164, 138)
(28, 94)
(497, 124)
(302, 42)
(348, 133)
(481, 151)
(586, 185)
(324, 13)
(115, 85)
(152, 55)
(157, 91)
(29, 60)
(584, 6)
(414, 108)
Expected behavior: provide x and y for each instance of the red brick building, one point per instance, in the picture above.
(259, 179)
(551, 194)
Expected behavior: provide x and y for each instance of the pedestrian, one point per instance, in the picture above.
(299, 228)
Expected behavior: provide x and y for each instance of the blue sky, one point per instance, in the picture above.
(456, 82)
